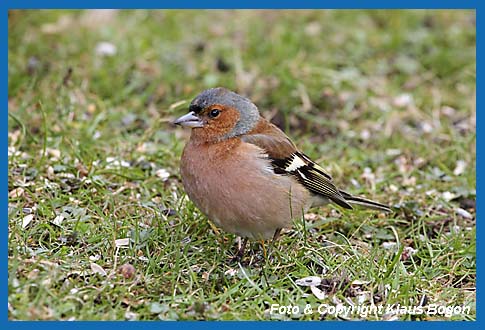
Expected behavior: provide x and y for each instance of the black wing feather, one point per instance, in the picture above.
(312, 176)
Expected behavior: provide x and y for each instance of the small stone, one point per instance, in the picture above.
(127, 270)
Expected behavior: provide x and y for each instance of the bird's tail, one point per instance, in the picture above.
(364, 202)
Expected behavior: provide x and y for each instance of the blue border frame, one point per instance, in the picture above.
(249, 4)
(5, 5)
(479, 182)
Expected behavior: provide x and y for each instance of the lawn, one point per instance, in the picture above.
(99, 226)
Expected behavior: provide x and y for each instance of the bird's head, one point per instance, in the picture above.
(217, 114)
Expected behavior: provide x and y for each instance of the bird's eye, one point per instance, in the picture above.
(214, 113)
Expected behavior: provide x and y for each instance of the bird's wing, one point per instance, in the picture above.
(287, 160)
(312, 176)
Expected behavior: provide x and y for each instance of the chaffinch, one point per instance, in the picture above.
(245, 174)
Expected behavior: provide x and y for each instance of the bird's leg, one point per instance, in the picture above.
(264, 249)
(273, 241)
(276, 234)
(240, 252)
(214, 228)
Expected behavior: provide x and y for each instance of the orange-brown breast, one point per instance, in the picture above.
(233, 183)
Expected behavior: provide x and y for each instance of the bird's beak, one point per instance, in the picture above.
(189, 120)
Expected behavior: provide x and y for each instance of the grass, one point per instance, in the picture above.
(100, 227)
